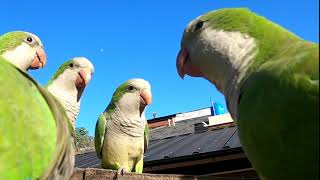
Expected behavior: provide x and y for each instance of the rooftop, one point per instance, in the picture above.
(183, 148)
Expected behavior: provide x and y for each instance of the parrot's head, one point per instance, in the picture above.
(23, 49)
(133, 96)
(216, 44)
(81, 70)
(76, 72)
(69, 82)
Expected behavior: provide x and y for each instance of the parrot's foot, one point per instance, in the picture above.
(121, 172)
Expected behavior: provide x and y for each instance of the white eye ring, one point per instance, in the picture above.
(29, 40)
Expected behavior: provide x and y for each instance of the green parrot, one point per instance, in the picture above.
(270, 78)
(36, 139)
(68, 84)
(22, 49)
(122, 134)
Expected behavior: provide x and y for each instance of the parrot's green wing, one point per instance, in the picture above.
(33, 143)
(279, 114)
(146, 137)
(99, 134)
(63, 160)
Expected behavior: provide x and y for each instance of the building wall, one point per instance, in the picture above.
(158, 124)
(180, 117)
(220, 119)
(193, 114)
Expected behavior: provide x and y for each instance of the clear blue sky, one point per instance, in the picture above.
(127, 39)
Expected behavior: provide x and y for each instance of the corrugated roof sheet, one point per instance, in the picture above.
(178, 146)
(195, 143)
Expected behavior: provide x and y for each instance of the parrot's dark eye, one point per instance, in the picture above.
(71, 65)
(198, 26)
(29, 40)
(130, 88)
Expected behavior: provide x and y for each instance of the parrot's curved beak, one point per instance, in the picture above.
(145, 97)
(184, 65)
(181, 59)
(39, 60)
(83, 78)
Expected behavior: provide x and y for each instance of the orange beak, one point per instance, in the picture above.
(39, 60)
(181, 60)
(84, 77)
(184, 65)
(146, 97)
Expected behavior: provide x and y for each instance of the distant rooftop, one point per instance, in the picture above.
(189, 144)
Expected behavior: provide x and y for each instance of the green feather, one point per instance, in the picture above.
(146, 137)
(99, 134)
(269, 36)
(113, 136)
(101, 122)
(19, 89)
(11, 40)
(30, 116)
(278, 105)
(279, 115)
(120, 91)
(61, 69)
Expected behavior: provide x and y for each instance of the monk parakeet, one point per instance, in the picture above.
(68, 84)
(122, 134)
(22, 49)
(270, 78)
(36, 139)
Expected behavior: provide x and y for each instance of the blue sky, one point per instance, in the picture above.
(127, 39)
